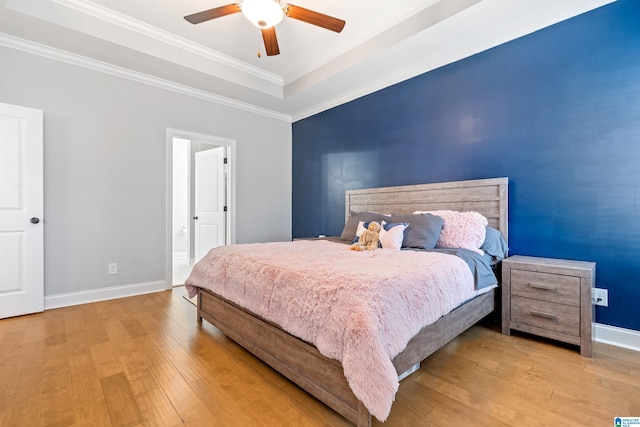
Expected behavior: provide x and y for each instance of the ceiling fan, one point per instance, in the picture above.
(266, 14)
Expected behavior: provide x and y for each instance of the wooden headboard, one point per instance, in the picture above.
(487, 196)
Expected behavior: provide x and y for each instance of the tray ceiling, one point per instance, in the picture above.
(382, 43)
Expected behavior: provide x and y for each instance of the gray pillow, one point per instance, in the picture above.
(495, 245)
(423, 230)
(349, 230)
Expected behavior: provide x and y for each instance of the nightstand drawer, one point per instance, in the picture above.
(547, 287)
(547, 315)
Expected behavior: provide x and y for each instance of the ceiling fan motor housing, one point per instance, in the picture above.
(262, 13)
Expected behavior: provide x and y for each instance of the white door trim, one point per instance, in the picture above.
(230, 144)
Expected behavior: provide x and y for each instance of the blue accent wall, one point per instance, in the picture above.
(557, 111)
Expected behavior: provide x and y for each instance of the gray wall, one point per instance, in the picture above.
(105, 169)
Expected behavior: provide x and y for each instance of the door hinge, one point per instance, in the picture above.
(224, 209)
(226, 160)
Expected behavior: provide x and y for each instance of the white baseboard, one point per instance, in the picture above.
(102, 294)
(606, 334)
(619, 337)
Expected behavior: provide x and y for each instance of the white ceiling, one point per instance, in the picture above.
(382, 43)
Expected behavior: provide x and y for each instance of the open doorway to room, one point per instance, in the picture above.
(201, 195)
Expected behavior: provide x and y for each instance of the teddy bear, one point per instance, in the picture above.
(369, 238)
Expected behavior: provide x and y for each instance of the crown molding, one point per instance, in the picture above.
(398, 20)
(123, 21)
(325, 97)
(103, 67)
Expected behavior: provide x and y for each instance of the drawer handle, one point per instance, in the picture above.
(543, 314)
(543, 287)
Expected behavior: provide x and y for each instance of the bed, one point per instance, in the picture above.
(324, 377)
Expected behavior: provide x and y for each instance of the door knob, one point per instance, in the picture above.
(195, 217)
(35, 220)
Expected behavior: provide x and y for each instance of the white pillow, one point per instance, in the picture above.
(392, 238)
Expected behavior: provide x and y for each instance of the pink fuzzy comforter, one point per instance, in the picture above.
(360, 308)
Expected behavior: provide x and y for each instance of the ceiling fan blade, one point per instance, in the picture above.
(270, 41)
(216, 12)
(314, 18)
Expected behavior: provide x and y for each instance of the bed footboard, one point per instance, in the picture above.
(320, 376)
(297, 360)
(435, 336)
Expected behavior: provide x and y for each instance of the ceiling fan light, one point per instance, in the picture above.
(262, 13)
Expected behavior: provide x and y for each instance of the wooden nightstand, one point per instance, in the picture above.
(550, 298)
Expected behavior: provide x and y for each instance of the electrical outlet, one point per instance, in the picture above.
(112, 268)
(600, 297)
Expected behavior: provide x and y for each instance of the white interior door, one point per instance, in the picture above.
(209, 201)
(21, 208)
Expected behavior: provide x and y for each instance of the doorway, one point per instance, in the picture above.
(200, 199)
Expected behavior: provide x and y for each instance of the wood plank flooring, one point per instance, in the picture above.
(144, 361)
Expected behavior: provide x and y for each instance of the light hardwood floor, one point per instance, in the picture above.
(144, 361)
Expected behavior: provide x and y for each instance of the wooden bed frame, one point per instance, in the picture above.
(322, 377)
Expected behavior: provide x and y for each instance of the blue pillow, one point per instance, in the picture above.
(389, 225)
(423, 230)
(494, 244)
